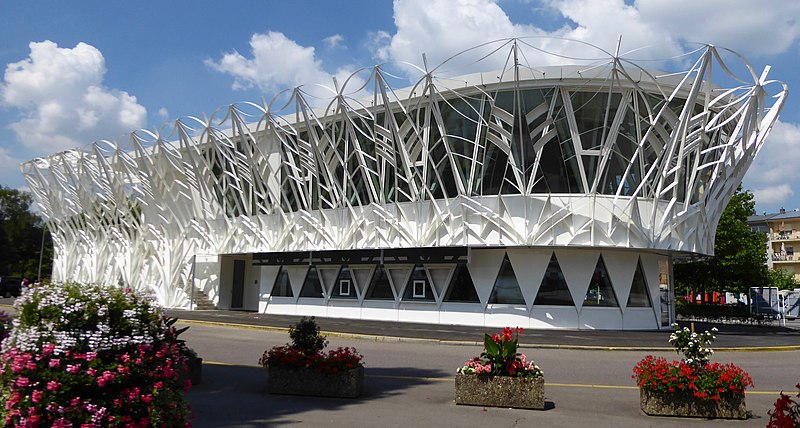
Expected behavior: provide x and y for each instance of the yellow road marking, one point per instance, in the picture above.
(451, 379)
(379, 338)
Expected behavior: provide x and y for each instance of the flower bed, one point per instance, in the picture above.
(302, 368)
(500, 377)
(91, 356)
(693, 387)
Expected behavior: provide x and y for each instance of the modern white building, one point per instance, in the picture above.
(541, 197)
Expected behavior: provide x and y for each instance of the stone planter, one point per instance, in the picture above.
(308, 381)
(500, 391)
(682, 403)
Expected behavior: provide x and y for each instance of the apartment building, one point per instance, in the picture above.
(783, 239)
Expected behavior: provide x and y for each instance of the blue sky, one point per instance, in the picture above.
(76, 72)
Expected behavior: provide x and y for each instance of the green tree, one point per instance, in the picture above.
(21, 234)
(739, 260)
(781, 279)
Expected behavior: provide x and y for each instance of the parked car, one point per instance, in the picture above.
(10, 286)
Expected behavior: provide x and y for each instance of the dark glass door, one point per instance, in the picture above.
(237, 299)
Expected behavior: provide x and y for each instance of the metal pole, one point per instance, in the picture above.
(41, 256)
(191, 299)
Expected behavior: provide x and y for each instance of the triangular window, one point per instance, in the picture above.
(600, 292)
(506, 288)
(344, 287)
(639, 297)
(554, 290)
(461, 289)
(312, 287)
(282, 287)
(419, 286)
(379, 287)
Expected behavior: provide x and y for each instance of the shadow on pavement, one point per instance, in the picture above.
(237, 396)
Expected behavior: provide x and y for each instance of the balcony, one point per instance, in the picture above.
(785, 236)
(783, 257)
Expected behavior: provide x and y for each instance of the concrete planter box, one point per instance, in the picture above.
(308, 381)
(500, 391)
(682, 403)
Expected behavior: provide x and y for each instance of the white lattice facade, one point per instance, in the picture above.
(551, 197)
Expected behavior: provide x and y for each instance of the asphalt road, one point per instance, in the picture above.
(411, 384)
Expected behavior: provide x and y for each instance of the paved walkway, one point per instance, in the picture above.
(730, 336)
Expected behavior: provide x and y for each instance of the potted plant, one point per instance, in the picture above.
(786, 413)
(692, 387)
(500, 376)
(302, 368)
(85, 355)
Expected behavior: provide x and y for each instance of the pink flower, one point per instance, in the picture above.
(91, 372)
(73, 368)
(54, 362)
(134, 394)
(53, 385)
(106, 377)
(23, 381)
(90, 356)
(36, 395)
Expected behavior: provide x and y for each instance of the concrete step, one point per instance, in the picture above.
(202, 302)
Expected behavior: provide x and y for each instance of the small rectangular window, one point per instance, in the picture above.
(419, 288)
(344, 287)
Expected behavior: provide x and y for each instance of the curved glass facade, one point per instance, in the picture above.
(551, 140)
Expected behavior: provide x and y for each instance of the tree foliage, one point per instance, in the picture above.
(21, 234)
(781, 279)
(739, 260)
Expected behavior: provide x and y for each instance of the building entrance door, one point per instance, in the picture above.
(237, 289)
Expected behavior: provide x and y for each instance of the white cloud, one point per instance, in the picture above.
(276, 63)
(333, 41)
(63, 103)
(765, 27)
(773, 195)
(9, 167)
(775, 170)
(441, 28)
(279, 63)
(163, 114)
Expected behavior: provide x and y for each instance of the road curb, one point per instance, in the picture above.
(381, 338)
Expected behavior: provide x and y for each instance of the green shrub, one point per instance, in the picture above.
(714, 312)
(306, 337)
